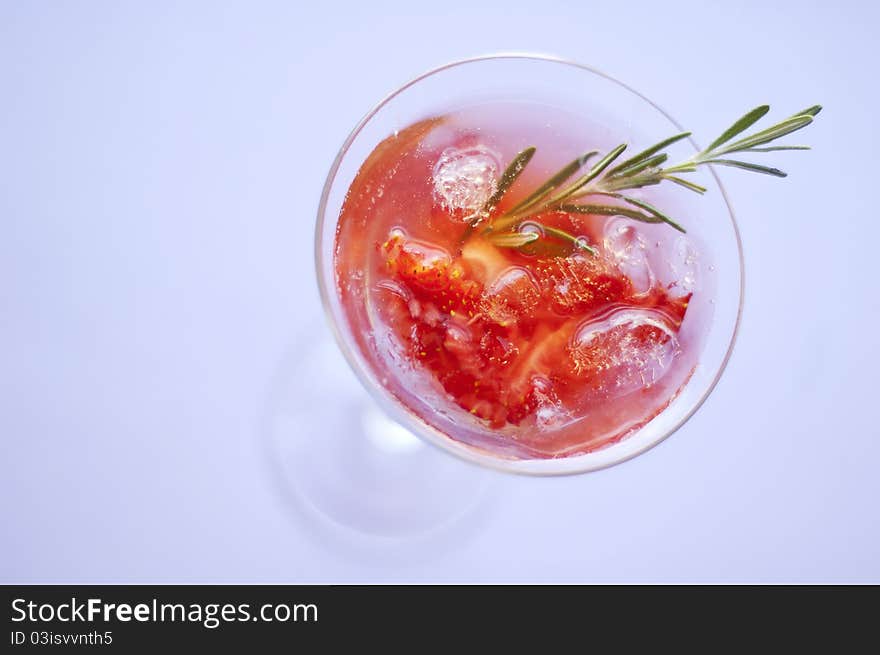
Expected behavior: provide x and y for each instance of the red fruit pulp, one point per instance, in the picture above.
(527, 353)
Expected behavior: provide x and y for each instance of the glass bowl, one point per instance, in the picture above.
(602, 100)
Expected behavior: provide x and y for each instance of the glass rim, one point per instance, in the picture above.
(474, 455)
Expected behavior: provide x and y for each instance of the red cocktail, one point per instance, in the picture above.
(559, 346)
(511, 287)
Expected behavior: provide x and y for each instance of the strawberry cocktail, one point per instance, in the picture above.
(518, 279)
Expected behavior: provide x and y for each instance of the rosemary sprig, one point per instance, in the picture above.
(647, 168)
(508, 177)
(647, 155)
(567, 171)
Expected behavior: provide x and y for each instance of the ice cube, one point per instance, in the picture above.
(512, 295)
(459, 341)
(627, 350)
(550, 416)
(683, 267)
(580, 283)
(628, 250)
(549, 412)
(465, 178)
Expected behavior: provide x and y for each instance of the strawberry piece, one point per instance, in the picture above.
(430, 273)
(417, 263)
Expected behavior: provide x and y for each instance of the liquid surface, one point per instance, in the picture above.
(523, 353)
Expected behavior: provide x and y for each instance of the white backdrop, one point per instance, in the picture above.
(161, 165)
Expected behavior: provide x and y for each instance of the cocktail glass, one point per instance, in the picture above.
(433, 488)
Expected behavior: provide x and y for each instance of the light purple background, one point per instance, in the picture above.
(160, 166)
